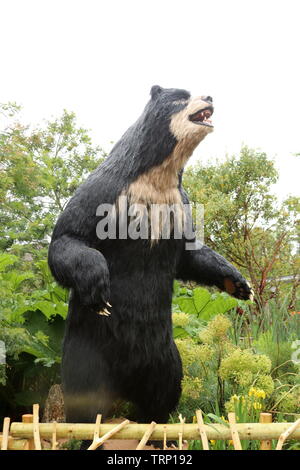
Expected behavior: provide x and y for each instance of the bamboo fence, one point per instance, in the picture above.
(28, 434)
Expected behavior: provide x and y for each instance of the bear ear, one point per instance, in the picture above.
(155, 91)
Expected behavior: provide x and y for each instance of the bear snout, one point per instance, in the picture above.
(208, 99)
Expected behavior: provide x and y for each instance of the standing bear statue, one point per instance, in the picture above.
(111, 249)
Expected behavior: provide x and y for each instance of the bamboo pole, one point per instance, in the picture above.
(165, 438)
(28, 418)
(234, 432)
(36, 432)
(15, 444)
(265, 418)
(247, 431)
(146, 436)
(286, 434)
(180, 434)
(202, 432)
(54, 440)
(5, 434)
(108, 435)
(96, 433)
(97, 427)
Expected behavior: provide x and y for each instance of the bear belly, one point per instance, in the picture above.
(141, 285)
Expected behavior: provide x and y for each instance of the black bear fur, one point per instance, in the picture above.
(129, 354)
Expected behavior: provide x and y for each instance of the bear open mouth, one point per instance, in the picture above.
(203, 116)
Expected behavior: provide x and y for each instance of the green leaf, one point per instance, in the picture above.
(16, 279)
(62, 309)
(201, 298)
(6, 260)
(176, 288)
(179, 332)
(47, 308)
(205, 305)
(218, 306)
(187, 305)
(53, 329)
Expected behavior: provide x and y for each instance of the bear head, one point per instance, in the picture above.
(171, 126)
(188, 117)
(157, 147)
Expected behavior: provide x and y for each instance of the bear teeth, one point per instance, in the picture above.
(202, 116)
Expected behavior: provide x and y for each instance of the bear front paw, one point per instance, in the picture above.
(93, 288)
(96, 296)
(238, 288)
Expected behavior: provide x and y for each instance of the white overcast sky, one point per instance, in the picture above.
(100, 58)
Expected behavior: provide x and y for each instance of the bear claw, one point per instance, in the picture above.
(104, 312)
